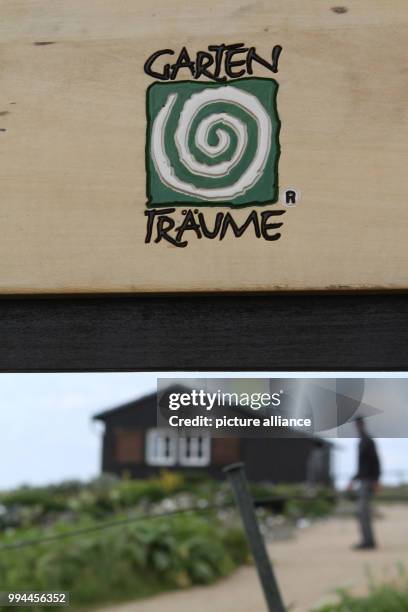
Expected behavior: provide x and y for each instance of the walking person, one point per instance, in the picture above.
(368, 476)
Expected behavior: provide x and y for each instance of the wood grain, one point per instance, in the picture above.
(224, 333)
(72, 121)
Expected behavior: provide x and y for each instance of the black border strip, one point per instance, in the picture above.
(306, 332)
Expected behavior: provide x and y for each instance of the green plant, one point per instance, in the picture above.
(107, 496)
(125, 562)
(392, 597)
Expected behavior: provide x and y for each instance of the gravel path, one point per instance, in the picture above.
(309, 568)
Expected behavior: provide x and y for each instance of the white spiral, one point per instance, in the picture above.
(246, 102)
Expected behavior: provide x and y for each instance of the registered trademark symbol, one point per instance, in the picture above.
(290, 196)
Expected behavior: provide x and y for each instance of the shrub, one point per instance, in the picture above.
(295, 500)
(125, 562)
(106, 496)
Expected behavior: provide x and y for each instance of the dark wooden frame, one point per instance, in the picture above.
(213, 332)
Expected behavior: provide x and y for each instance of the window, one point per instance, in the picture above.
(194, 450)
(165, 448)
(161, 447)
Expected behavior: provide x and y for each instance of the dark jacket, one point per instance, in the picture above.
(368, 461)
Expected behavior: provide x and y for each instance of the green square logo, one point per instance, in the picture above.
(212, 143)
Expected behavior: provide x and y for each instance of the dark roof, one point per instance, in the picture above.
(150, 398)
(144, 400)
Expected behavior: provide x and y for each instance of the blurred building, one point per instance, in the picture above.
(133, 445)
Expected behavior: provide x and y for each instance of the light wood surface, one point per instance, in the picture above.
(72, 140)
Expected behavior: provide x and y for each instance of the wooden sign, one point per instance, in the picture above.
(156, 146)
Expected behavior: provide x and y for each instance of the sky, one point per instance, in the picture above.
(47, 434)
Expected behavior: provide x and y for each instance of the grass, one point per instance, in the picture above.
(391, 597)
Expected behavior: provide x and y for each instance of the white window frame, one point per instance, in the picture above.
(194, 451)
(161, 447)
